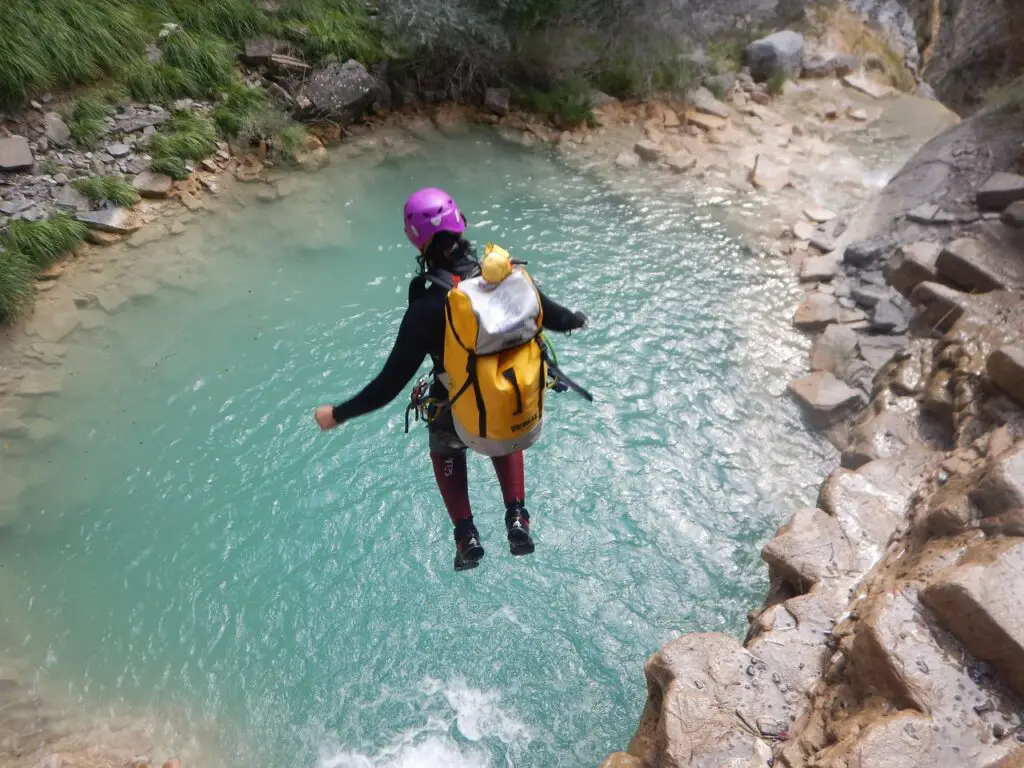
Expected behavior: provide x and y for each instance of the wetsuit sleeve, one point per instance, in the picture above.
(405, 359)
(559, 318)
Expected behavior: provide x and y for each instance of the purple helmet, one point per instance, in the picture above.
(429, 211)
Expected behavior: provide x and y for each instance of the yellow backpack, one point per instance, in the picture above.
(495, 361)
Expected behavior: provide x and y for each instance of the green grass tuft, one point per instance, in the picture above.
(158, 83)
(341, 28)
(58, 43)
(241, 103)
(49, 166)
(776, 83)
(567, 104)
(185, 137)
(112, 188)
(43, 242)
(236, 20)
(291, 140)
(87, 121)
(208, 62)
(16, 291)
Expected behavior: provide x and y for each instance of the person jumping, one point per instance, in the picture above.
(480, 323)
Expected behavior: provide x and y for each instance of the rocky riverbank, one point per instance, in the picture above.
(891, 634)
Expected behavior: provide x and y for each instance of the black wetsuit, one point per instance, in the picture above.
(422, 334)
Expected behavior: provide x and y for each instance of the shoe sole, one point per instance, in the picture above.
(468, 564)
(519, 548)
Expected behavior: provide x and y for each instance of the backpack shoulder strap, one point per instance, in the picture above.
(441, 277)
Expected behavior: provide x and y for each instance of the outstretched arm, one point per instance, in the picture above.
(404, 360)
(559, 318)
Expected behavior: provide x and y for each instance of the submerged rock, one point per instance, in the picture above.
(153, 185)
(1006, 368)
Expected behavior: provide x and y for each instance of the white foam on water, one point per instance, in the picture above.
(454, 713)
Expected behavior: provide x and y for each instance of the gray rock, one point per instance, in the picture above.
(833, 350)
(879, 350)
(779, 52)
(599, 99)
(1000, 190)
(140, 123)
(822, 242)
(153, 185)
(16, 154)
(704, 101)
(498, 100)
(940, 305)
(57, 131)
(866, 252)
(925, 91)
(14, 207)
(868, 295)
(1013, 216)
(819, 269)
(116, 220)
(923, 214)
(341, 92)
(61, 179)
(888, 318)
(825, 399)
(118, 150)
(70, 199)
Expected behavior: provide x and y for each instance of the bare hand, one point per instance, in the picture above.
(325, 417)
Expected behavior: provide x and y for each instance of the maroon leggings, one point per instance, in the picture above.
(453, 481)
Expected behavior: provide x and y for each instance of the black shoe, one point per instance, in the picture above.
(517, 524)
(468, 551)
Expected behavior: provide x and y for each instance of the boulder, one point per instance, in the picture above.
(819, 269)
(649, 150)
(807, 550)
(704, 693)
(1000, 191)
(70, 199)
(153, 185)
(57, 131)
(498, 100)
(1013, 216)
(704, 121)
(912, 265)
(781, 52)
(868, 295)
(704, 101)
(824, 399)
(119, 221)
(16, 154)
(967, 264)
(769, 175)
(339, 92)
(816, 311)
(1005, 366)
(979, 602)
(834, 349)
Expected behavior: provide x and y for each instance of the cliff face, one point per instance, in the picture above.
(959, 47)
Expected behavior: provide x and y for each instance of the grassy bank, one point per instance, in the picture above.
(95, 55)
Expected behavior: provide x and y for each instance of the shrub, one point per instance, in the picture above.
(87, 121)
(15, 283)
(112, 188)
(726, 55)
(43, 242)
(567, 104)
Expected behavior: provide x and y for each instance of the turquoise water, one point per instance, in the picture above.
(197, 545)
